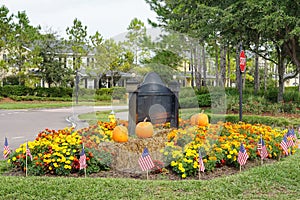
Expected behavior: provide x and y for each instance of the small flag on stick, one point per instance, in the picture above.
(28, 153)
(284, 145)
(242, 155)
(145, 160)
(82, 159)
(201, 164)
(262, 149)
(290, 138)
(6, 150)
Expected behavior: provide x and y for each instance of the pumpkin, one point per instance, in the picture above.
(120, 134)
(144, 129)
(193, 119)
(199, 119)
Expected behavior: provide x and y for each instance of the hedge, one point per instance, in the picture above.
(256, 119)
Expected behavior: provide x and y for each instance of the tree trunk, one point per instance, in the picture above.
(298, 82)
(281, 70)
(192, 68)
(223, 65)
(228, 68)
(256, 74)
(197, 72)
(265, 76)
(204, 65)
(199, 67)
(217, 65)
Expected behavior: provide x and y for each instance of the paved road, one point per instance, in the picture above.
(22, 125)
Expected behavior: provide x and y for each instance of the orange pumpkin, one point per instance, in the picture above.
(120, 134)
(193, 119)
(144, 129)
(200, 119)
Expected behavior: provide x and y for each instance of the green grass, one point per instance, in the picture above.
(47, 104)
(93, 117)
(277, 181)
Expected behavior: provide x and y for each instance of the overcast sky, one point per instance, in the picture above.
(108, 17)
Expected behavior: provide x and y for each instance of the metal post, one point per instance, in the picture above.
(76, 85)
(240, 91)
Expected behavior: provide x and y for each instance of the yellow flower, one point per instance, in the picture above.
(55, 165)
(68, 162)
(212, 158)
(229, 156)
(67, 167)
(183, 175)
(8, 161)
(18, 150)
(14, 159)
(50, 167)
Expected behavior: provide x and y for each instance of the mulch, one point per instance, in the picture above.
(163, 174)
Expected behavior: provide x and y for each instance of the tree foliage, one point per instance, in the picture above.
(270, 24)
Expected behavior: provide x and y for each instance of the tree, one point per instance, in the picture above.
(112, 58)
(5, 29)
(275, 22)
(78, 41)
(21, 48)
(135, 37)
(52, 68)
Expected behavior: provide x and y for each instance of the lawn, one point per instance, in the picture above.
(46, 104)
(277, 181)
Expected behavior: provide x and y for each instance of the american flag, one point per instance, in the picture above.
(290, 138)
(28, 151)
(201, 164)
(6, 150)
(145, 160)
(262, 149)
(242, 155)
(284, 145)
(82, 159)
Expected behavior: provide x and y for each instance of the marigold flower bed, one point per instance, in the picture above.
(57, 152)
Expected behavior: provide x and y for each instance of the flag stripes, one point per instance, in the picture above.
(201, 164)
(262, 149)
(284, 145)
(82, 159)
(242, 155)
(6, 150)
(28, 153)
(145, 160)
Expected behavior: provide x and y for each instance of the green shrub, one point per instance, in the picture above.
(202, 90)
(53, 92)
(35, 98)
(104, 97)
(272, 94)
(186, 92)
(189, 102)
(255, 119)
(119, 93)
(204, 100)
(104, 91)
(291, 96)
(17, 90)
